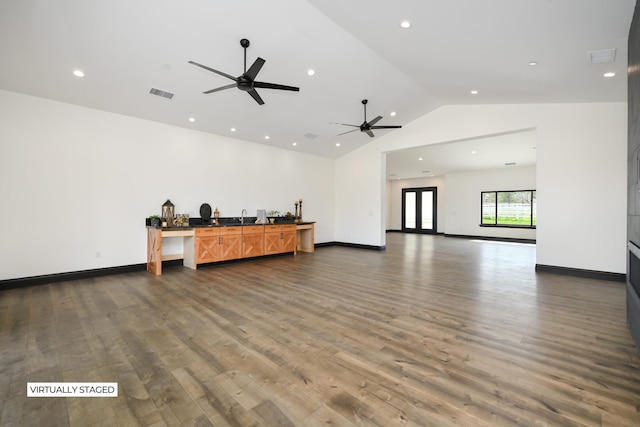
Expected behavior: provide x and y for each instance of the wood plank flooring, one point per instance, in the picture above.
(433, 331)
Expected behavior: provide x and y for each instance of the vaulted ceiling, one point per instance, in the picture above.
(357, 49)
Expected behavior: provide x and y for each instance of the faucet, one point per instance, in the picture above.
(244, 211)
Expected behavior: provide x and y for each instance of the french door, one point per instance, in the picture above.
(419, 207)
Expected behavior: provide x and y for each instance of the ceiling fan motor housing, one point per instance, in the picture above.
(244, 84)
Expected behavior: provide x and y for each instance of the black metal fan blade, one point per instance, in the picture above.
(386, 127)
(374, 121)
(255, 96)
(220, 88)
(214, 71)
(346, 124)
(349, 131)
(253, 71)
(275, 86)
(368, 132)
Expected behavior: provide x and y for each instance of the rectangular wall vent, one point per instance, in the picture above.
(602, 56)
(162, 93)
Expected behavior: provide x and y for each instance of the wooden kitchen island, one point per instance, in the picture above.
(209, 244)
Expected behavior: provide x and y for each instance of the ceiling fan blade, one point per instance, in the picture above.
(386, 127)
(253, 71)
(255, 96)
(345, 124)
(349, 131)
(220, 88)
(214, 71)
(275, 86)
(374, 121)
(368, 132)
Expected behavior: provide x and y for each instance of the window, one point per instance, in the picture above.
(508, 208)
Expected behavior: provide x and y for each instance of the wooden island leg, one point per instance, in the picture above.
(154, 250)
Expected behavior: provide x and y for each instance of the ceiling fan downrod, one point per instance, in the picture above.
(245, 44)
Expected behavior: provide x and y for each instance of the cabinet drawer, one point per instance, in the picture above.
(277, 228)
(253, 229)
(204, 232)
(225, 231)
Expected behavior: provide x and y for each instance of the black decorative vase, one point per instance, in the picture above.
(205, 212)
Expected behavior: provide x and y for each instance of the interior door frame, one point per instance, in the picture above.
(418, 191)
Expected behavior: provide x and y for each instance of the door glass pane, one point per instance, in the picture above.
(410, 210)
(427, 210)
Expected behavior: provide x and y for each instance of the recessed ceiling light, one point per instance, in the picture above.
(420, 158)
(232, 129)
(405, 24)
(393, 113)
(337, 144)
(311, 72)
(294, 143)
(474, 92)
(609, 74)
(78, 73)
(473, 152)
(266, 137)
(191, 119)
(532, 63)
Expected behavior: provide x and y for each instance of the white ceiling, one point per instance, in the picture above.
(356, 47)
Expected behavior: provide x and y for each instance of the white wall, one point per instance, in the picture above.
(76, 181)
(360, 196)
(394, 200)
(581, 167)
(580, 179)
(463, 200)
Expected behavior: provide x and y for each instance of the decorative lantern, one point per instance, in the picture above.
(168, 212)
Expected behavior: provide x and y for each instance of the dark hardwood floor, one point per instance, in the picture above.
(433, 331)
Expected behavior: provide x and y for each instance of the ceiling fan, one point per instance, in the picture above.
(367, 126)
(246, 82)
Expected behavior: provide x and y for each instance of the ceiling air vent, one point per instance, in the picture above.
(510, 164)
(602, 56)
(310, 135)
(162, 93)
